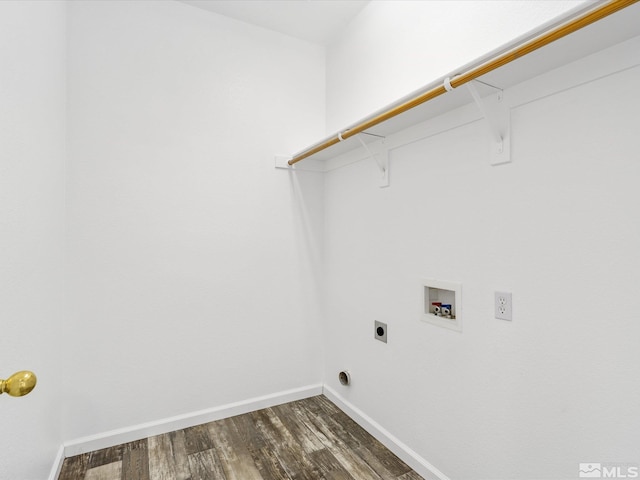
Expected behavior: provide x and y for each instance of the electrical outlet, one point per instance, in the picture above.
(503, 306)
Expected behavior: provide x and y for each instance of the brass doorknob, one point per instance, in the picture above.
(18, 384)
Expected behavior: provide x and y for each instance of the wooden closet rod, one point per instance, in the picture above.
(592, 16)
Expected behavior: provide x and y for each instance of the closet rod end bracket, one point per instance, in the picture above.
(282, 161)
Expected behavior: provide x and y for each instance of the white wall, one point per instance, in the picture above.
(394, 47)
(558, 227)
(194, 267)
(192, 261)
(32, 139)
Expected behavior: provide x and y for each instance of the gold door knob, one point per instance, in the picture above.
(18, 384)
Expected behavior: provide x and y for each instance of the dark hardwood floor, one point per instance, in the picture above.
(305, 440)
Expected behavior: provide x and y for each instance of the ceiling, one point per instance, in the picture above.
(316, 21)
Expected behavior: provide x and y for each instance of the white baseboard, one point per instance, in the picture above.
(159, 427)
(411, 458)
(137, 432)
(57, 464)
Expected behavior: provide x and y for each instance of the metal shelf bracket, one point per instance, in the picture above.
(496, 111)
(381, 159)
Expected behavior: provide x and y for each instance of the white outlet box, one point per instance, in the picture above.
(442, 293)
(503, 306)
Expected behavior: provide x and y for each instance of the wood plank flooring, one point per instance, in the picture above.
(305, 440)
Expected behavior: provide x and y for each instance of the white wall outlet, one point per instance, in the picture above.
(503, 306)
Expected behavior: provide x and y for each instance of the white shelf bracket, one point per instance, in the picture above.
(381, 159)
(497, 114)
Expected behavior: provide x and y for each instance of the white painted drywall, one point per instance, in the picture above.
(394, 47)
(32, 151)
(193, 262)
(558, 227)
(194, 267)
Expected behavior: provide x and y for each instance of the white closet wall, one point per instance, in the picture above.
(558, 227)
(192, 262)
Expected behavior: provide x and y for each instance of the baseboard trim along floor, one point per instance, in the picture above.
(57, 464)
(404, 453)
(138, 432)
(179, 422)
